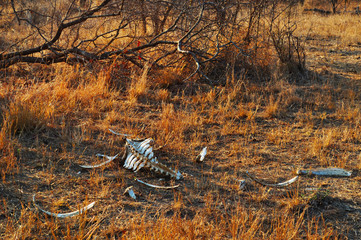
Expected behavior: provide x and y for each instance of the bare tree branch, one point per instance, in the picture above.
(62, 26)
(160, 32)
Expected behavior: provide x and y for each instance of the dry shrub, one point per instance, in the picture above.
(262, 60)
(288, 47)
(255, 59)
(165, 78)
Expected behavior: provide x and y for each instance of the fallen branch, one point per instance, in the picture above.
(63, 25)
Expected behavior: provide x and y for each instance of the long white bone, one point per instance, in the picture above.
(157, 186)
(110, 158)
(64, 215)
(330, 172)
(276, 185)
(119, 134)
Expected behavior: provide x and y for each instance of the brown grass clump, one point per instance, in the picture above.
(272, 108)
(27, 116)
(139, 86)
(8, 161)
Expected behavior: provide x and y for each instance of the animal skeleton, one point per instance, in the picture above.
(140, 154)
(64, 215)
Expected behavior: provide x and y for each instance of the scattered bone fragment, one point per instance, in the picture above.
(119, 134)
(131, 193)
(110, 158)
(329, 172)
(201, 156)
(275, 185)
(64, 215)
(242, 184)
(157, 186)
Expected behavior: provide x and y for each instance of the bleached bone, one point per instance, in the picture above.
(140, 154)
(110, 158)
(137, 166)
(140, 146)
(275, 185)
(330, 172)
(129, 160)
(202, 155)
(119, 134)
(148, 152)
(64, 215)
(146, 143)
(157, 186)
(131, 193)
(242, 184)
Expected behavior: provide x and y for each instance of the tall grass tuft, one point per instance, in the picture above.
(7, 157)
(26, 116)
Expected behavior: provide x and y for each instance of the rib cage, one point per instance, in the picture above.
(140, 154)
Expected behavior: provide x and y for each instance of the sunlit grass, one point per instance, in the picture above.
(60, 116)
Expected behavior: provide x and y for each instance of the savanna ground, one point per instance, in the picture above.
(56, 117)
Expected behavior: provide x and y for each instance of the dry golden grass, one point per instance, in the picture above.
(56, 117)
(345, 29)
